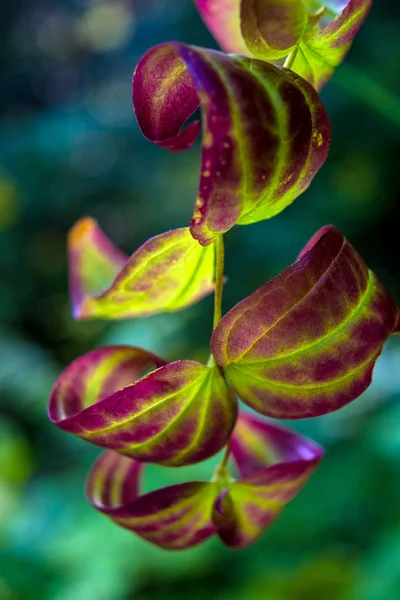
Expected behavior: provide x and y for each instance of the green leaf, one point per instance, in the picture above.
(168, 273)
(315, 35)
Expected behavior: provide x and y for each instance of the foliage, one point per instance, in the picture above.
(69, 147)
(303, 345)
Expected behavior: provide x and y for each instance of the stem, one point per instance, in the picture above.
(290, 58)
(221, 472)
(219, 278)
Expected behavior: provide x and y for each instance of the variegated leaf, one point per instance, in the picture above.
(265, 130)
(275, 463)
(169, 272)
(179, 414)
(305, 343)
(318, 34)
(173, 518)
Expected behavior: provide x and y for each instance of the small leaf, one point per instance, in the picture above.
(169, 272)
(265, 130)
(173, 518)
(179, 414)
(222, 18)
(257, 443)
(318, 35)
(305, 343)
(275, 463)
(322, 49)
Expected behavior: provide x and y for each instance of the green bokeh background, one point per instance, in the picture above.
(69, 146)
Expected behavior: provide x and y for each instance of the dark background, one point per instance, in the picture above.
(69, 146)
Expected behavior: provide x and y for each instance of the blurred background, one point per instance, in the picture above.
(69, 146)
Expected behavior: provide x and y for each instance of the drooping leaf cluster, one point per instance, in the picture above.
(302, 345)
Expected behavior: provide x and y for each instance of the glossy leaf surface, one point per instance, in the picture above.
(318, 34)
(265, 130)
(275, 463)
(169, 272)
(179, 414)
(173, 518)
(305, 343)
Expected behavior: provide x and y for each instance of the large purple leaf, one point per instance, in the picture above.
(179, 414)
(305, 343)
(265, 130)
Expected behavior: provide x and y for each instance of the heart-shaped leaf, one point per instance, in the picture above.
(169, 272)
(318, 35)
(265, 130)
(173, 518)
(179, 414)
(274, 463)
(305, 343)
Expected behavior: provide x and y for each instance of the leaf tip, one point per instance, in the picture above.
(81, 229)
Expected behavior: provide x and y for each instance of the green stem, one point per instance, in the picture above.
(221, 473)
(219, 277)
(290, 57)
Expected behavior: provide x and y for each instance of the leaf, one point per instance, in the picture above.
(179, 414)
(322, 49)
(305, 343)
(222, 17)
(272, 28)
(173, 518)
(169, 272)
(96, 375)
(318, 35)
(265, 130)
(257, 443)
(275, 463)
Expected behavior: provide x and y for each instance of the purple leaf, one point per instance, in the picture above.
(179, 414)
(274, 463)
(173, 518)
(305, 343)
(265, 130)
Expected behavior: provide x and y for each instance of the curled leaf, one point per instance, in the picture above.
(305, 343)
(179, 414)
(173, 518)
(169, 272)
(316, 34)
(97, 375)
(265, 130)
(275, 463)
